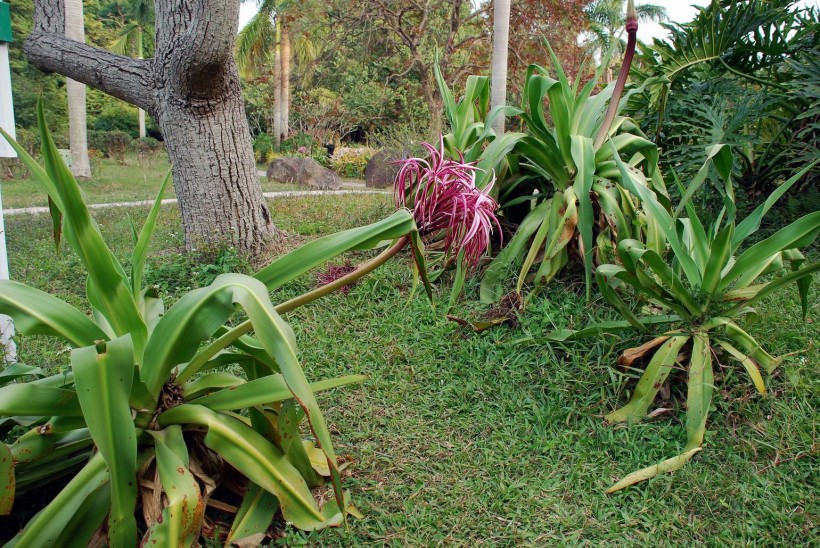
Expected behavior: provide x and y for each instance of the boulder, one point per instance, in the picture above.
(284, 170)
(380, 172)
(312, 174)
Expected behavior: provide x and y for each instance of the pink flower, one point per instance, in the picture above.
(446, 204)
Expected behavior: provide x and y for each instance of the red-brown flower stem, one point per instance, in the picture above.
(631, 31)
(361, 271)
(233, 334)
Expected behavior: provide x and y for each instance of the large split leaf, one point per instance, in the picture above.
(103, 374)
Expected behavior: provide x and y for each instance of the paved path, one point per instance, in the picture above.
(284, 194)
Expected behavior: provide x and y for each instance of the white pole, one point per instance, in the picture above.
(7, 346)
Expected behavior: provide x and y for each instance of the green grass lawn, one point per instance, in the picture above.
(475, 439)
(112, 182)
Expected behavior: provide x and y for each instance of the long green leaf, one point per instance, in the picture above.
(583, 154)
(141, 246)
(665, 221)
(37, 313)
(37, 400)
(266, 390)
(750, 224)
(798, 234)
(259, 460)
(323, 249)
(7, 487)
(46, 527)
(107, 276)
(661, 364)
(88, 518)
(700, 386)
(254, 516)
(669, 465)
(103, 375)
(492, 283)
(182, 516)
(748, 364)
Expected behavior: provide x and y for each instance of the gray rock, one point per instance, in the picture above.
(284, 170)
(312, 174)
(380, 172)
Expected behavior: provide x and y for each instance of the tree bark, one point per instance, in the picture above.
(285, 110)
(191, 88)
(277, 85)
(140, 55)
(501, 32)
(75, 91)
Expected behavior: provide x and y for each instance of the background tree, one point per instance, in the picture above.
(75, 91)
(498, 80)
(533, 24)
(191, 88)
(137, 37)
(406, 34)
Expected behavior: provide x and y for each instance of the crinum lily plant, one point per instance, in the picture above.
(157, 408)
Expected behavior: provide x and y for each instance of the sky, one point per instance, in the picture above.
(680, 11)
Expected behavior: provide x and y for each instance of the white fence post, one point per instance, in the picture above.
(8, 349)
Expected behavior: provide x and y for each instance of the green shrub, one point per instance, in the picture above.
(300, 141)
(263, 148)
(147, 149)
(118, 117)
(351, 162)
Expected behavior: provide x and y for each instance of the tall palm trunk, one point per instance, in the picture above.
(501, 32)
(277, 86)
(78, 134)
(285, 95)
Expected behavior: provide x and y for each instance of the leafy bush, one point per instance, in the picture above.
(118, 117)
(172, 402)
(299, 141)
(263, 148)
(114, 144)
(147, 149)
(351, 162)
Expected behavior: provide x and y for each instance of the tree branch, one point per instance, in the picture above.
(123, 77)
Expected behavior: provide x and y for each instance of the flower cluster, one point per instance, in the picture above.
(446, 204)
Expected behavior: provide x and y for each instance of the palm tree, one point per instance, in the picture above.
(501, 32)
(606, 19)
(133, 37)
(78, 132)
(266, 41)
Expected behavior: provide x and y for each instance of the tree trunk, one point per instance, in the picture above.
(277, 86)
(77, 124)
(501, 31)
(285, 110)
(434, 102)
(191, 88)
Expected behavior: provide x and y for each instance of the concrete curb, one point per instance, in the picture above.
(269, 195)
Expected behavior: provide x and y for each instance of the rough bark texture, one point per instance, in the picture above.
(191, 88)
(501, 33)
(75, 91)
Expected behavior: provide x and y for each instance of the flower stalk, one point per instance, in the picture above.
(631, 32)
